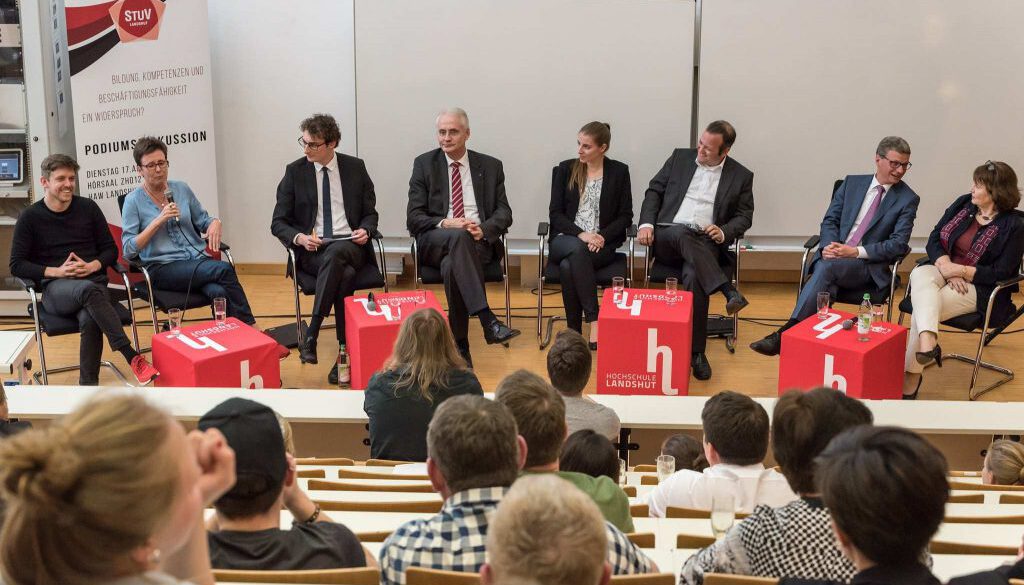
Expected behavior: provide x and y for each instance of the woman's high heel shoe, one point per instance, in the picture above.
(926, 357)
(916, 390)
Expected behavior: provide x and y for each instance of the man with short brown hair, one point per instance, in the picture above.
(569, 364)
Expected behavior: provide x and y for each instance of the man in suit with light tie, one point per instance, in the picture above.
(457, 213)
(698, 204)
(327, 210)
(867, 226)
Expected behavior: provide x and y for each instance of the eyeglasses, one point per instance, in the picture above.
(895, 164)
(163, 164)
(311, 145)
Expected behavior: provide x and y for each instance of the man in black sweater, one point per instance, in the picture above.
(63, 244)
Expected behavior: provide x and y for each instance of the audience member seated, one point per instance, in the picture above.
(1004, 464)
(794, 540)
(540, 416)
(9, 426)
(544, 532)
(735, 444)
(569, 363)
(474, 456)
(998, 576)
(112, 493)
(687, 451)
(978, 242)
(886, 490)
(246, 533)
(424, 370)
(591, 454)
(286, 433)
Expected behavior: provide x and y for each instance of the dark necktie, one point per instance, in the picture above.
(328, 215)
(458, 210)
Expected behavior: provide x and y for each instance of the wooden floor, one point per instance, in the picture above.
(744, 371)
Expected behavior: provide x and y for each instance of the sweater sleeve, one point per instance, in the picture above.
(21, 264)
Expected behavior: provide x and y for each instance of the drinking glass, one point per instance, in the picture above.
(823, 298)
(421, 296)
(220, 310)
(666, 466)
(723, 513)
(396, 308)
(174, 320)
(877, 312)
(622, 472)
(618, 284)
(671, 288)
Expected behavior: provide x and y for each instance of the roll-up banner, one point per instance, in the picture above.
(138, 68)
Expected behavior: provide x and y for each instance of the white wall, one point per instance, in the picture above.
(274, 63)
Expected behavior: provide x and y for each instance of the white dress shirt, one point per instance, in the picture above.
(750, 485)
(698, 206)
(468, 196)
(868, 199)
(338, 220)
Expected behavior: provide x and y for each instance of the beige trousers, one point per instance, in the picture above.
(934, 302)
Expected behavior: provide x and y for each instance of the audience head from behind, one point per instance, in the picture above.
(262, 467)
(687, 451)
(109, 491)
(803, 424)
(539, 413)
(1004, 464)
(569, 363)
(286, 434)
(424, 353)
(545, 533)
(886, 489)
(472, 442)
(587, 452)
(735, 429)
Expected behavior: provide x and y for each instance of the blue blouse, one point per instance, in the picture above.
(174, 241)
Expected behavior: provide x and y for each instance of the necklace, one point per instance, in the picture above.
(153, 197)
(987, 217)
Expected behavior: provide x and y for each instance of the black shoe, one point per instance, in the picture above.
(463, 347)
(307, 351)
(332, 376)
(498, 332)
(926, 357)
(735, 302)
(769, 345)
(916, 390)
(593, 345)
(701, 367)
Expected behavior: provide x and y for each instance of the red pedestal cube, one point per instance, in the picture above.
(229, 355)
(644, 343)
(370, 335)
(819, 352)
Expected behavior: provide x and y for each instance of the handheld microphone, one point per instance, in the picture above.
(170, 201)
(848, 324)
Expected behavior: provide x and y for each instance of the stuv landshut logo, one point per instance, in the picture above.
(137, 20)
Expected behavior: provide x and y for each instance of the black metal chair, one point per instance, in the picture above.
(879, 295)
(972, 321)
(494, 271)
(53, 325)
(548, 273)
(162, 300)
(726, 328)
(373, 274)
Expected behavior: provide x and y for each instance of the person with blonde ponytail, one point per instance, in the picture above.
(1004, 464)
(590, 212)
(111, 494)
(424, 370)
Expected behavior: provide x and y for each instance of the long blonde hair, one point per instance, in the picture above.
(601, 133)
(424, 353)
(86, 491)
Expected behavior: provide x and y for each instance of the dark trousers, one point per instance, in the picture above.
(208, 277)
(576, 267)
(335, 266)
(701, 273)
(829, 276)
(88, 301)
(460, 259)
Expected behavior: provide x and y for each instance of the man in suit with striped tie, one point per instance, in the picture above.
(867, 226)
(458, 212)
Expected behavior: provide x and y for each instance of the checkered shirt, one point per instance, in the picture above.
(455, 540)
(795, 540)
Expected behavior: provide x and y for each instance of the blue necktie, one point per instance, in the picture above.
(328, 215)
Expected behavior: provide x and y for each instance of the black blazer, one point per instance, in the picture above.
(430, 193)
(295, 211)
(734, 202)
(1000, 261)
(616, 210)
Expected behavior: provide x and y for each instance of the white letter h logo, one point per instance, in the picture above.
(653, 351)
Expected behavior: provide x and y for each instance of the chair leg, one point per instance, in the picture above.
(508, 289)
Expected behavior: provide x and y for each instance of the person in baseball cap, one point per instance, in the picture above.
(245, 533)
